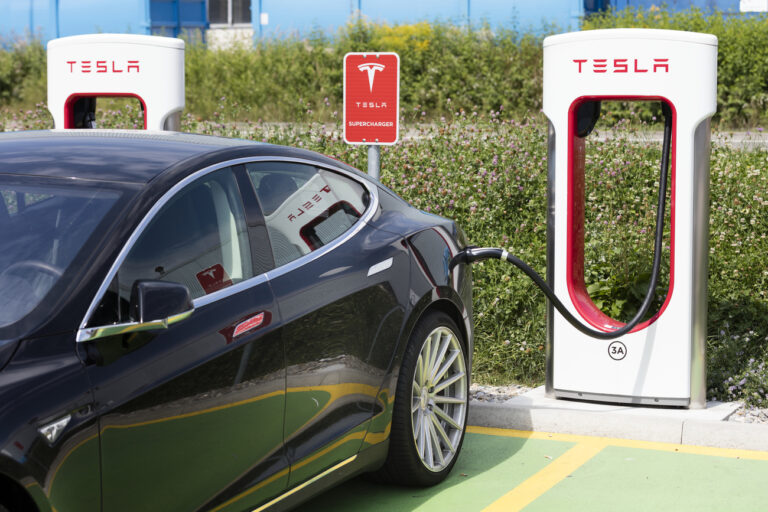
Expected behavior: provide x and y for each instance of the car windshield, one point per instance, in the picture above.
(43, 224)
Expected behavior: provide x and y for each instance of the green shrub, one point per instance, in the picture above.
(22, 73)
(488, 172)
(482, 161)
(477, 69)
(742, 63)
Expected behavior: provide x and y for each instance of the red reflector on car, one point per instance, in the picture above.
(251, 323)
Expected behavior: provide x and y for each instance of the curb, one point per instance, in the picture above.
(705, 427)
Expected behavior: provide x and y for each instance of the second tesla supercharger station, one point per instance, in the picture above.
(84, 68)
(661, 362)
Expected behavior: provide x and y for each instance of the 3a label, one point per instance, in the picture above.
(617, 350)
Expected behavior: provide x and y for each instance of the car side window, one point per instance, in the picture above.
(305, 207)
(199, 239)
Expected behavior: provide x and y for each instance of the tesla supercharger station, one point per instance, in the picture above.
(83, 68)
(661, 361)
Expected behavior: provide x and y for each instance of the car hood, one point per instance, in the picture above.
(7, 348)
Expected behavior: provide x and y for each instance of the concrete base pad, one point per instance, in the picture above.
(705, 427)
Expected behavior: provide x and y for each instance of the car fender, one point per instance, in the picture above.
(434, 286)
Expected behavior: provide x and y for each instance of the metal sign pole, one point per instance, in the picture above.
(374, 161)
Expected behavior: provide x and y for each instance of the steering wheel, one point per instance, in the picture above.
(40, 266)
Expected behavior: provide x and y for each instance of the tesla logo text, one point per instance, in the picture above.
(309, 204)
(622, 65)
(248, 325)
(371, 104)
(103, 66)
(371, 68)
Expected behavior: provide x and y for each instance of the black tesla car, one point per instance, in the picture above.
(196, 323)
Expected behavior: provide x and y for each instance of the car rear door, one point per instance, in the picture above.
(192, 415)
(340, 286)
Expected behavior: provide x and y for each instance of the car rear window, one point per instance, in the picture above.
(305, 207)
(42, 228)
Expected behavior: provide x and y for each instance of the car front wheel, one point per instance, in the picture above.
(430, 410)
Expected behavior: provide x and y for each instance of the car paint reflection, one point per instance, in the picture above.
(143, 440)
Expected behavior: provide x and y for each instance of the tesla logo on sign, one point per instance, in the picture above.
(371, 68)
(622, 66)
(371, 98)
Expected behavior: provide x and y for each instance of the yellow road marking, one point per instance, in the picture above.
(731, 453)
(527, 434)
(522, 495)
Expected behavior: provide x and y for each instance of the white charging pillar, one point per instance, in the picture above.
(149, 68)
(661, 361)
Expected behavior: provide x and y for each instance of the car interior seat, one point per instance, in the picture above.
(273, 190)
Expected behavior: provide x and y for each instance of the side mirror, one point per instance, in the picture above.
(158, 300)
(153, 305)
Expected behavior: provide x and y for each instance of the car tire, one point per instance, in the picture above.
(430, 408)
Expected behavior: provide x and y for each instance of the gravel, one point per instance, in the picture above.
(500, 394)
(750, 415)
(483, 393)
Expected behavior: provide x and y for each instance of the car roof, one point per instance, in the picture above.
(129, 156)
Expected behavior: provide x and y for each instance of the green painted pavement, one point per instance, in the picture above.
(632, 479)
(617, 478)
(487, 468)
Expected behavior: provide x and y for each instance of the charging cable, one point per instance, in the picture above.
(472, 254)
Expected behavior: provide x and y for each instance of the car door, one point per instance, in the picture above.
(340, 285)
(192, 415)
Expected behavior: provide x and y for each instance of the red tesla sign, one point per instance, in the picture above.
(371, 98)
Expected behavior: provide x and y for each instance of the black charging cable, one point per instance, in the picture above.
(473, 254)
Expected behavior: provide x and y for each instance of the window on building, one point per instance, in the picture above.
(229, 12)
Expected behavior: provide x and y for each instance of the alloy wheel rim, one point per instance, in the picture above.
(439, 399)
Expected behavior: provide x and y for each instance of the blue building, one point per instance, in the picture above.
(225, 20)
(48, 19)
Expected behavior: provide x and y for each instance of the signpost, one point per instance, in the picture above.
(371, 102)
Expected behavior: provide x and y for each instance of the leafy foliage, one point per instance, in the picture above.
(476, 68)
(22, 73)
(475, 150)
(488, 171)
(742, 61)
(473, 68)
